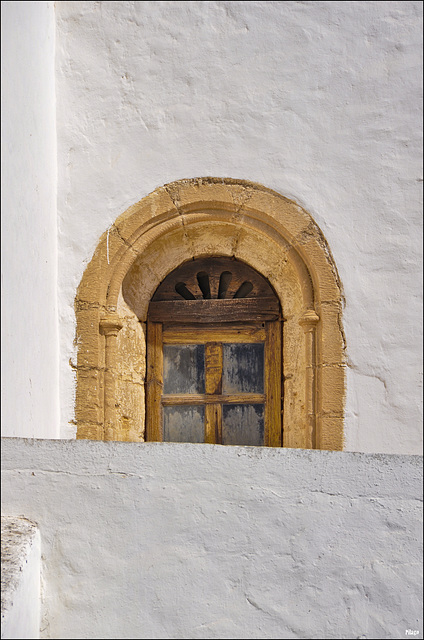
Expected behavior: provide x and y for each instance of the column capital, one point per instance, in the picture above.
(309, 320)
(110, 325)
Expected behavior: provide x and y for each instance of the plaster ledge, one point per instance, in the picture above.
(20, 578)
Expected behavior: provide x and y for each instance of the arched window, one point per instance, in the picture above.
(214, 356)
(134, 306)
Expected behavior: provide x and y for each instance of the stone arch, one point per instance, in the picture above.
(210, 217)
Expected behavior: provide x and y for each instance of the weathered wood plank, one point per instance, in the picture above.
(218, 333)
(187, 398)
(213, 422)
(207, 311)
(154, 382)
(273, 384)
(218, 424)
(213, 368)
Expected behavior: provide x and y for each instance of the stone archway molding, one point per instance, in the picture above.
(205, 217)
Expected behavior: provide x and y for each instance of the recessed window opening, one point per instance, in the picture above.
(127, 302)
(214, 356)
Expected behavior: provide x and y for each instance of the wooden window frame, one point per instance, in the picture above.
(213, 336)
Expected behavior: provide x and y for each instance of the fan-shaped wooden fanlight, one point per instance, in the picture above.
(209, 290)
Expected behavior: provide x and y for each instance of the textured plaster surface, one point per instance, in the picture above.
(203, 541)
(20, 578)
(30, 342)
(317, 100)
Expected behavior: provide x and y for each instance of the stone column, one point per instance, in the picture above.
(109, 327)
(309, 322)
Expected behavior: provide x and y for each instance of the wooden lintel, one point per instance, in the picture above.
(210, 311)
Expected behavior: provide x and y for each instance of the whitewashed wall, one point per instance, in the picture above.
(204, 541)
(317, 100)
(20, 578)
(30, 343)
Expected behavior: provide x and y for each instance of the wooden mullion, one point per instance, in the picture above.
(213, 423)
(213, 368)
(154, 382)
(273, 384)
(218, 422)
(213, 388)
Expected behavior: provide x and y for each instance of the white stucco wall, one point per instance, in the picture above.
(30, 343)
(317, 100)
(203, 541)
(20, 578)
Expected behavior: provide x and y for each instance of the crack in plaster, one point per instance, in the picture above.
(173, 191)
(255, 605)
(107, 473)
(124, 240)
(237, 217)
(375, 376)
